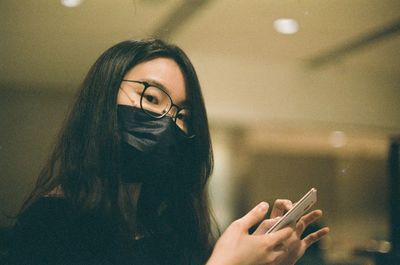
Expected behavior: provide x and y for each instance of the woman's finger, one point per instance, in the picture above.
(280, 207)
(255, 215)
(314, 237)
(265, 225)
(306, 220)
(311, 217)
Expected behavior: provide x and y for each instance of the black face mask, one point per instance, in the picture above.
(153, 150)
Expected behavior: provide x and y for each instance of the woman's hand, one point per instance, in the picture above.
(296, 246)
(237, 246)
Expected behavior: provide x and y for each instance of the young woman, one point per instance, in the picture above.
(126, 181)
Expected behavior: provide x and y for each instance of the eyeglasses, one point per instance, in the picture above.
(157, 103)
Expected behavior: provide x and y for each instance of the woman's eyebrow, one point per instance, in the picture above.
(156, 84)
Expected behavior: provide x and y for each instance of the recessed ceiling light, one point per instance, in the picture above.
(338, 139)
(71, 3)
(286, 26)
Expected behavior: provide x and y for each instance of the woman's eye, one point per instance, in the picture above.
(151, 99)
(181, 116)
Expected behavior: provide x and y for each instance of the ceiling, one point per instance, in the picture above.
(47, 47)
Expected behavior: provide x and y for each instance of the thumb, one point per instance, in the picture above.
(255, 216)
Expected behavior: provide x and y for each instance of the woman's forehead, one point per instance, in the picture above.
(164, 72)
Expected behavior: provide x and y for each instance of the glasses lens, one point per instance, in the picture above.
(155, 102)
(182, 120)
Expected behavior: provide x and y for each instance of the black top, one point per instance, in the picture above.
(51, 231)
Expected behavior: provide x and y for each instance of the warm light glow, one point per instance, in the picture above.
(338, 139)
(286, 26)
(71, 3)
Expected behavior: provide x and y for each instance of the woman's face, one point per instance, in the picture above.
(161, 72)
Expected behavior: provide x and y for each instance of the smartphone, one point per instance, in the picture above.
(297, 211)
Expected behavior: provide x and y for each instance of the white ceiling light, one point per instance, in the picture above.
(71, 3)
(338, 139)
(286, 25)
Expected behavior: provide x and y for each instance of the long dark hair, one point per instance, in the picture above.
(85, 160)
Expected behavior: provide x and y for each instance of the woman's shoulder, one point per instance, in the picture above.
(38, 229)
(56, 219)
(47, 202)
(45, 210)
(43, 220)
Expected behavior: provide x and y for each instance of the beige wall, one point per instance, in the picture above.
(29, 122)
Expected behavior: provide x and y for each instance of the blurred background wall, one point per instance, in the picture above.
(317, 108)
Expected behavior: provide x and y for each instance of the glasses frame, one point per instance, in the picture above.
(146, 86)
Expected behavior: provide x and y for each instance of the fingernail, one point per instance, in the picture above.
(263, 206)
